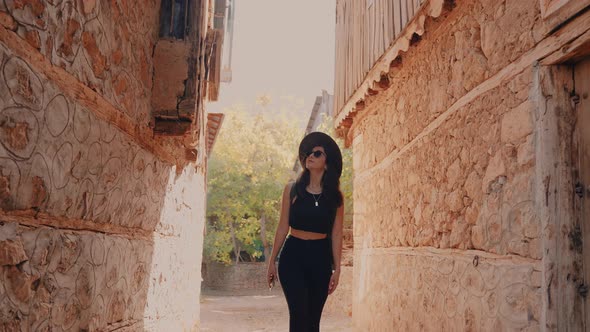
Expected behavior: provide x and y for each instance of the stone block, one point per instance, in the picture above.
(517, 124)
(473, 186)
(454, 173)
(478, 237)
(460, 235)
(7, 21)
(454, 201)
(494, 171)
(12, 252)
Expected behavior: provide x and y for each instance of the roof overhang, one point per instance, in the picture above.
(214, 121)
(377, 78)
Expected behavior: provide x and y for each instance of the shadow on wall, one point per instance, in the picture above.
(235, 278)
(83, 209)
(60, 279)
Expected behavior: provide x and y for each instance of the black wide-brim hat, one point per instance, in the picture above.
(333, 153)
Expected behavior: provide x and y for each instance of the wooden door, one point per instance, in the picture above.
(582, 166)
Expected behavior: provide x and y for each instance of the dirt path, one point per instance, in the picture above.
(261, 311)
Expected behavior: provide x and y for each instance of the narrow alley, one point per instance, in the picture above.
(256, 312)
(146, 149)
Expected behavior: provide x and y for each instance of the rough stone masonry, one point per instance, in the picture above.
(101, 226)
(463, 190)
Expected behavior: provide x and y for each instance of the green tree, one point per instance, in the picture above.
(249, 167)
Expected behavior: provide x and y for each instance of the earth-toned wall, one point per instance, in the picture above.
(446, 226)
(98, 229)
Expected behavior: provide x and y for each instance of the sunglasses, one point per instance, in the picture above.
(316, 154)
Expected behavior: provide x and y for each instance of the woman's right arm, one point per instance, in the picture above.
(281, 232)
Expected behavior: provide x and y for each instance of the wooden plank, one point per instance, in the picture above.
(352, 20)
(556, 12)
(379, 40)
(362, 22)
(366, 32)
(171, 126)
(377, 35)
(353, 55)
(344, 50)
(379, 14)
(582, 82)
(385, 25)
(345, 74)
(362, 37)
(397, 16)
(350, 37)
(391, 22)
(404, 12)
(371, 37)
(36, 219)
(388, 23)
(572, 52)
(340, 65)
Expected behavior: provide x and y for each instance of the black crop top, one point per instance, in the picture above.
(305, 216)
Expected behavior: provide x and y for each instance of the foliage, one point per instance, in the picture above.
(249, 167)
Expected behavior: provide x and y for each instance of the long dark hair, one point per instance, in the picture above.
(330, 184)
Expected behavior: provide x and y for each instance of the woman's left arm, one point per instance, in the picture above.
(336, 247)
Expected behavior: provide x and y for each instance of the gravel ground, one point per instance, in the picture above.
(256, 311)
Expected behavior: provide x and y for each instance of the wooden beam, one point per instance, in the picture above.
(572, 52)
(171, 127)
(88, 98)
(33, 218)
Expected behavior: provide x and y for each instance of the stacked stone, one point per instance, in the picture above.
(446, 232)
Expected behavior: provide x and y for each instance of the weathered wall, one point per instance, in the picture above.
(341, 300)
(107, 45)
(446, 226)
(97, 231)
(175, 278)
(243, 276)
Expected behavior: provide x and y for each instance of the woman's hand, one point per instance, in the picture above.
(333, 281)
(271, 274)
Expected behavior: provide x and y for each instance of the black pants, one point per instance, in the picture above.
(305, 268)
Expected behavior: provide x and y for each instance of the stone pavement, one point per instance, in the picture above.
(256, 312)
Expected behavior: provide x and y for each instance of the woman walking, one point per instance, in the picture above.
(312, 211)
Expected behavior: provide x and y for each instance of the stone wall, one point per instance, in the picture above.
(243, 276)
(99, 230)
(106, 45)
(446, 226)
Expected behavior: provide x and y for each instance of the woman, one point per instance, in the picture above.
(312, 209)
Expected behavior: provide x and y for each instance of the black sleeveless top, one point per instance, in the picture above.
(305, 216)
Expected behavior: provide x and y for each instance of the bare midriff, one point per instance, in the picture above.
(305, 235)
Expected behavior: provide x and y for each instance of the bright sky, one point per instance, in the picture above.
(282, 48)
